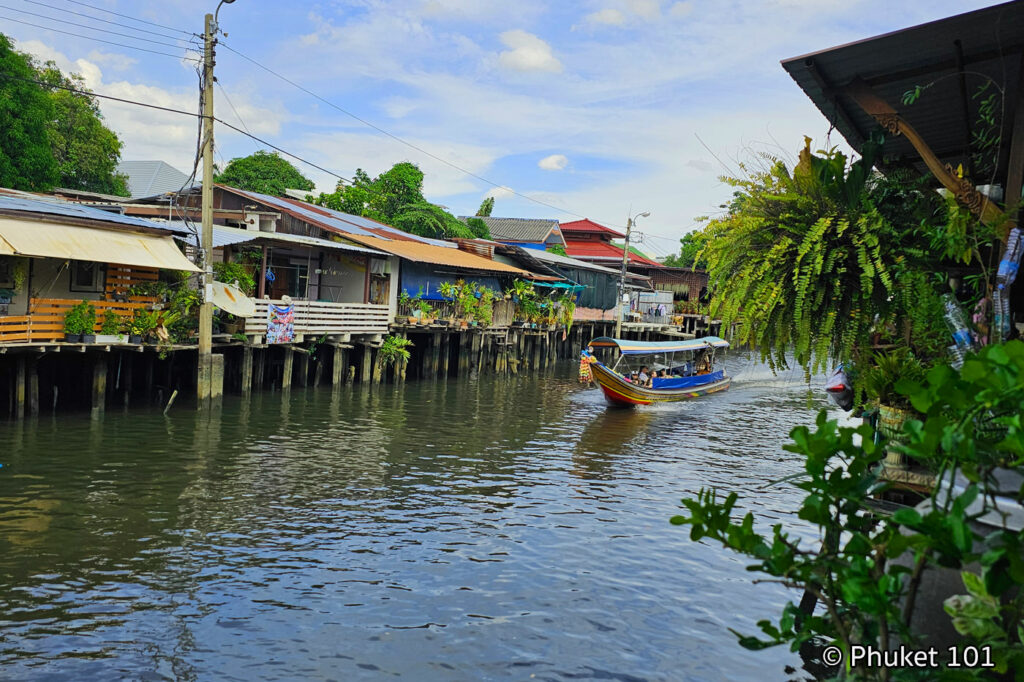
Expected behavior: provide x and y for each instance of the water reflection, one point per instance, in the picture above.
(494, 528)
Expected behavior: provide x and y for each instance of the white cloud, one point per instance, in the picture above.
(502, 192)
(608, 16)
(555, 162)
(680, 9)
(647, 9)
(527, 53)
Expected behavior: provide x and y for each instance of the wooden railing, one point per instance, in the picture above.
(321, 317)
(45, 321)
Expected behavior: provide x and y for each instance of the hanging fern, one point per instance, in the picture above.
(805, 260)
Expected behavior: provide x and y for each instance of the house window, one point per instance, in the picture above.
(87, 276)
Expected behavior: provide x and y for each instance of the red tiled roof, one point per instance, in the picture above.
(603, 251)
(587, 225)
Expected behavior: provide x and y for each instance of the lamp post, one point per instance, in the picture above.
(622, 275)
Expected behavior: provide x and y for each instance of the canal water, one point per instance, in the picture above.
(491, 529)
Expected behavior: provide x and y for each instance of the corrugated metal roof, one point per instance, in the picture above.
(24, 202)
(604, 251)
(532, 230)
(565, 261)
(335, 221)
(149, 178)
(587, 225)
(226, 236)
(895, 63)
(455, 258)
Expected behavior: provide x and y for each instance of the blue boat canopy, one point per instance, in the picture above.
(628, 347)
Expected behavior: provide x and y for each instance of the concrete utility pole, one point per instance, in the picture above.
(210, 378)
(622, 275)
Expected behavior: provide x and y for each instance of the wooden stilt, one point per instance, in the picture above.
(337, 366)
(260, 364)
(127, 378)
(302, 360)
(289, 366)
(246, 370)
(367, 366)
(19, 387)
(99, 385)
(33, 388)
(445, 353)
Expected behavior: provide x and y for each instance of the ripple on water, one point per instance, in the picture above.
(489, 529)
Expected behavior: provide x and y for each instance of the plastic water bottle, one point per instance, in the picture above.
(957, 323)
(1010, 263)
(999, 320)
(956, 357)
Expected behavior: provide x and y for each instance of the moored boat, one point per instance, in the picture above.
(688, 366)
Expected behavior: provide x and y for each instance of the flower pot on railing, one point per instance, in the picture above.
(88, 338)
(135, 339)
(72, 338)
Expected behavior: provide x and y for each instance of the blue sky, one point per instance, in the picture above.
(596, 107)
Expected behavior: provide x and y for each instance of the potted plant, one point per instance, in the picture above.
(143, 323)
(893, 409)
(111, 328)
(425, 310)
(405, 308)
(73, 325)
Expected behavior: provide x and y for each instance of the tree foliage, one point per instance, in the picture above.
(817, 259)
(86, 150)
(263, 172)
(486, 207)
(26, 160)
(52, 136)
(690, 256)
(395, 197)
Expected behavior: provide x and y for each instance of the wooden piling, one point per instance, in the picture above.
(337, 366)
(246, 370)
(367, 366)
(289, 365)
(33, 388)
(99, 385)
(259, 369)
(19, 387)
(445, 353)
(302, 360)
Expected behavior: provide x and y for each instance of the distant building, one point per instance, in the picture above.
(589, 241)
(529, 233)
(151, 178)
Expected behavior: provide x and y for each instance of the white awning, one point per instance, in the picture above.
(73, 242)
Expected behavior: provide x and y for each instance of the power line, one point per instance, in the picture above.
(105, 21)
(125, 16)
(93, 28)
(230, 104)
(396, 137)
(99, 40)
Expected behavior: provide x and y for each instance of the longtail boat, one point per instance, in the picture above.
(688, 363)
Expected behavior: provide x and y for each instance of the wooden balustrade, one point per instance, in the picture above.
(323, 317)
(45, 321)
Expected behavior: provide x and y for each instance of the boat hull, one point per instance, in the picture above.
(622, 393)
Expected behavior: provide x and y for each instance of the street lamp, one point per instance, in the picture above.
(622, 275)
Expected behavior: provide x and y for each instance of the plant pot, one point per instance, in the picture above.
(110, 338)
(135, 338)
(411, 319)
(399, 319)
(72, 338)
(443, 323)
(88, 338)
(231, 327)
(464, 324)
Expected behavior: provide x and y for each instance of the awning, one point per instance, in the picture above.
(74, 242)
(628, 347)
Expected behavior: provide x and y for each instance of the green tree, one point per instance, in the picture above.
(263, 172)
(395, 197)
(486, 207)
(26, 160)
(86, 151)
(689, 255)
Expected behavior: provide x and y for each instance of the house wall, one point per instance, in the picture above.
(343, 279)
(49, 278)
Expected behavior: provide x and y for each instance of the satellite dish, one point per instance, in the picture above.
(230, 299)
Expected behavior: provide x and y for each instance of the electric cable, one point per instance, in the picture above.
(105, 21)
(93, 28)
(99, 40)
(125, 16)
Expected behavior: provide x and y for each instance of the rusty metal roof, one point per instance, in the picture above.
(435, 255)
(985, 44)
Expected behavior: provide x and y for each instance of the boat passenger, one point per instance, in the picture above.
(644, 378)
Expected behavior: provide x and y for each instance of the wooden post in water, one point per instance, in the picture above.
(463, 368)
(19, 387)
(246, 371)
(337, 365)
(367, 366)
(260, 361)
(303, 362)
(127, 377)
(289, 364)
(99, 385)
(33, 388)
(446, 353)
